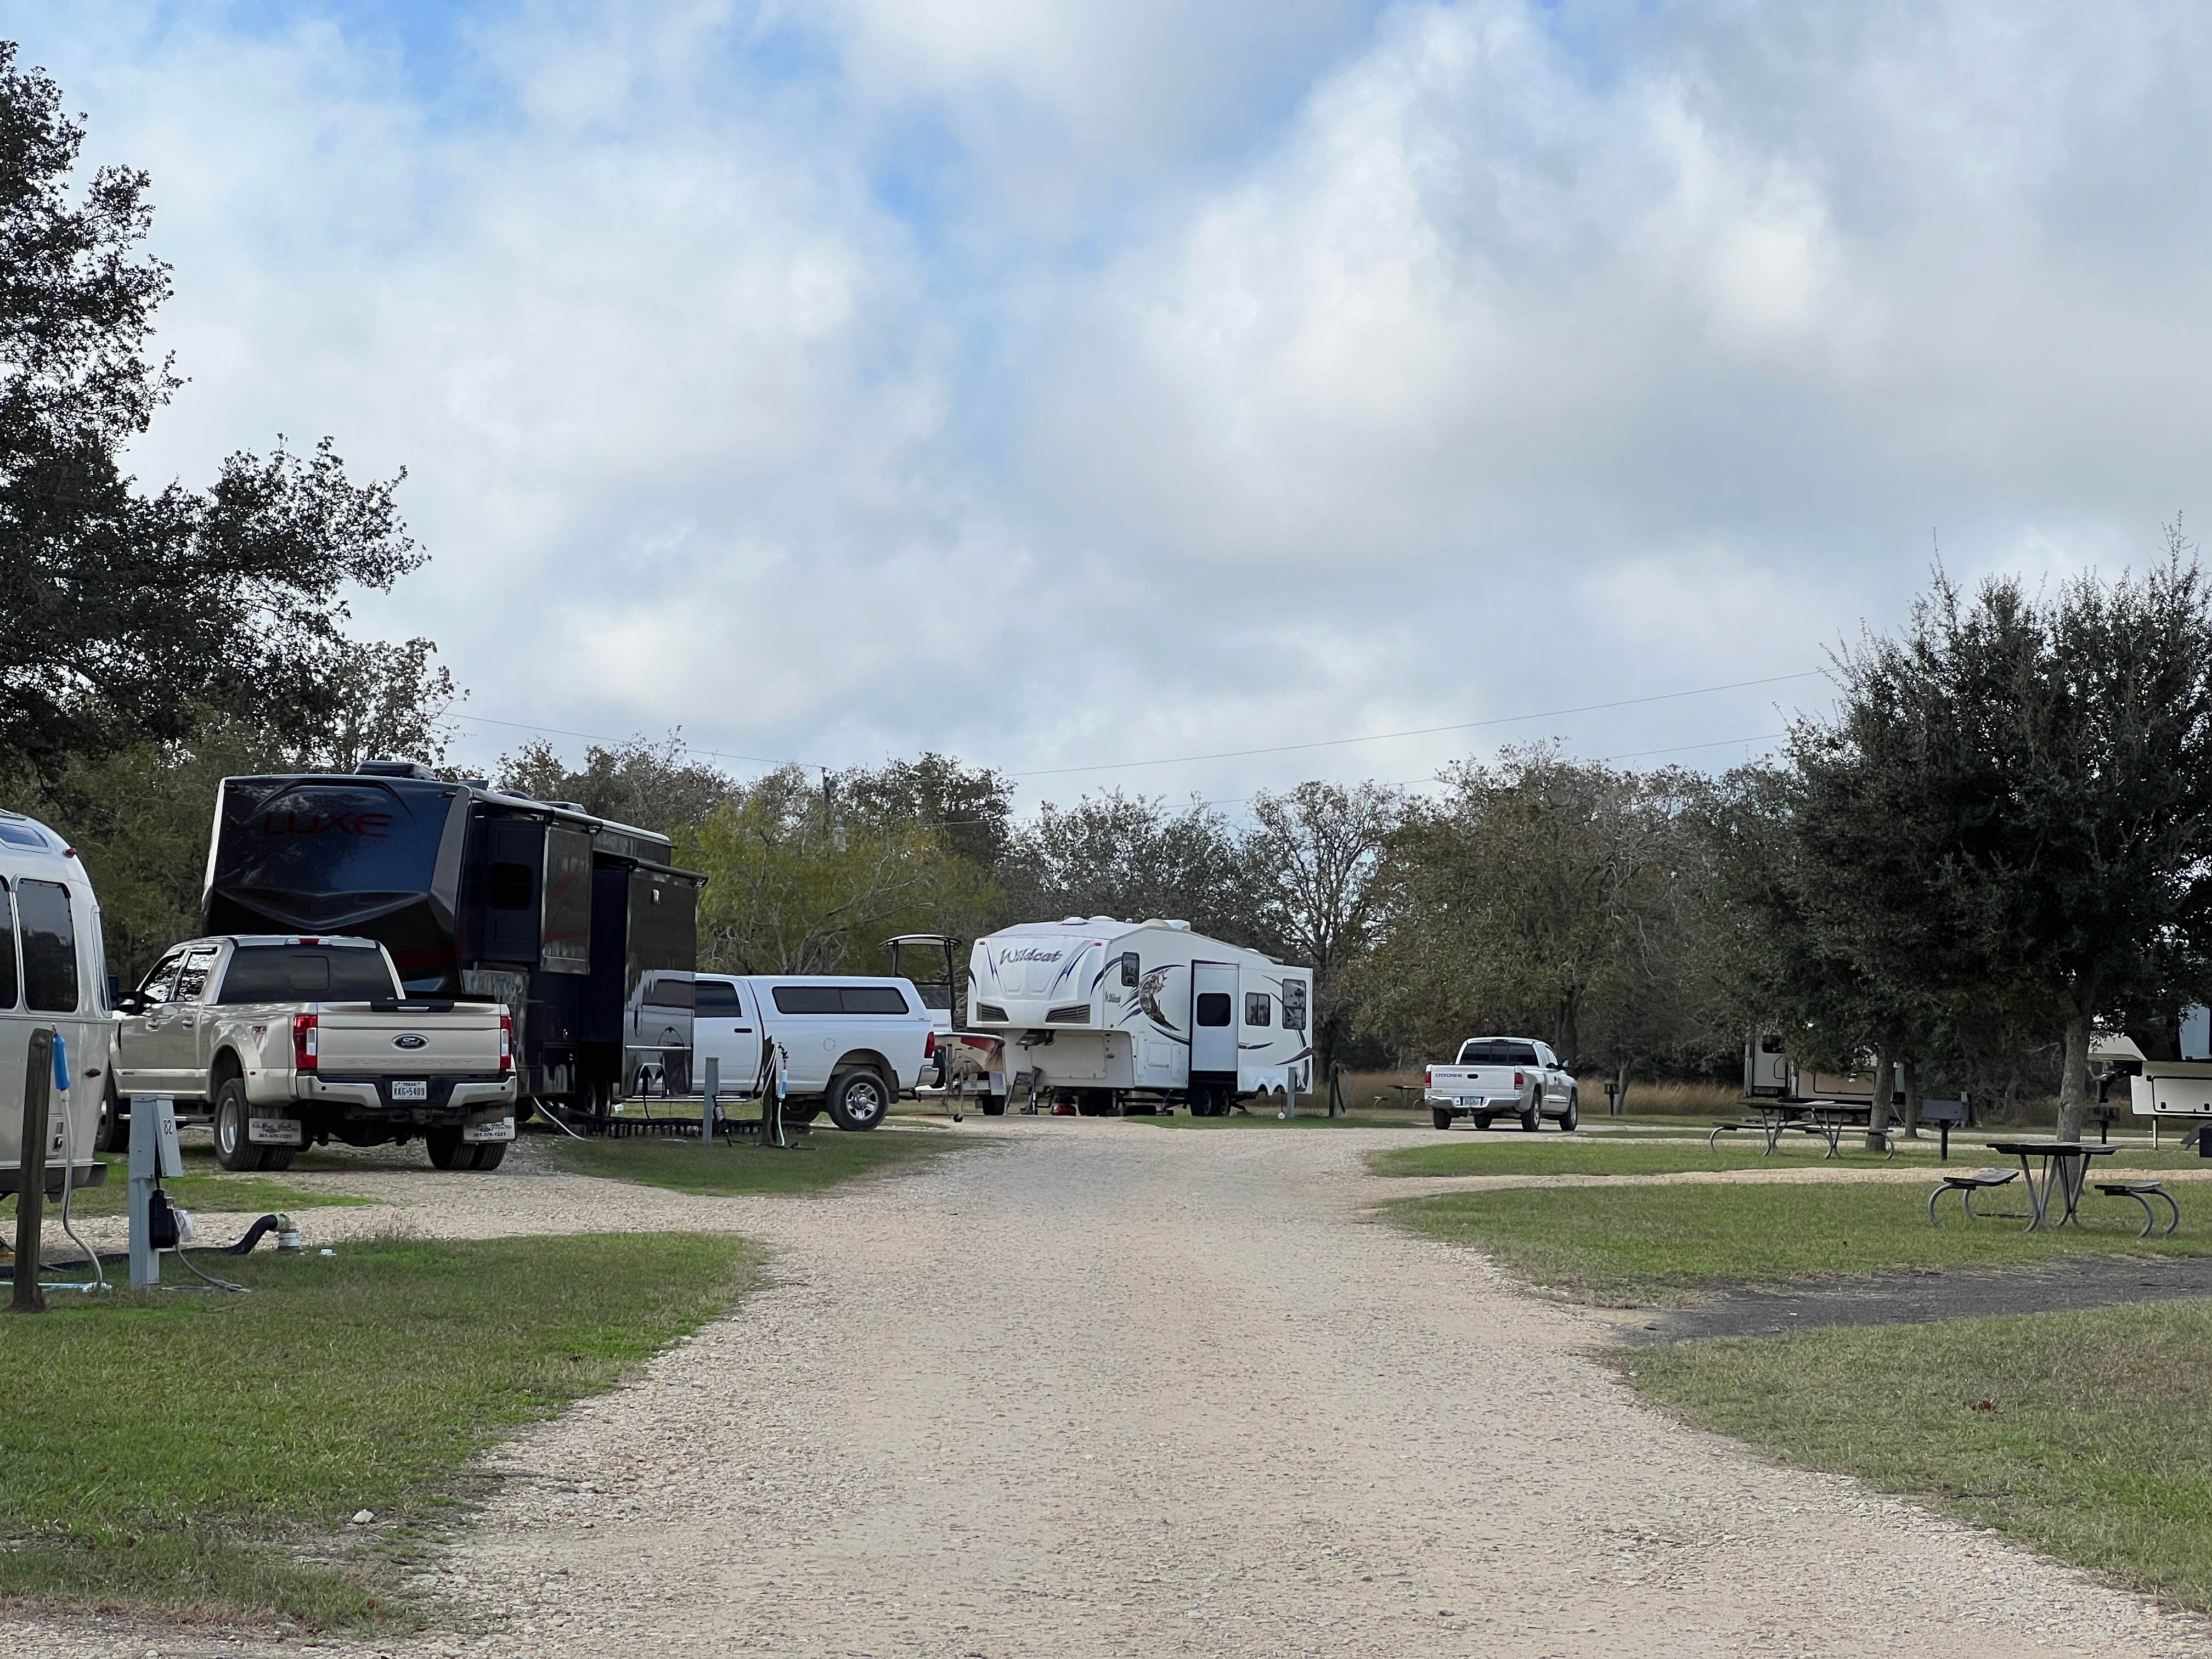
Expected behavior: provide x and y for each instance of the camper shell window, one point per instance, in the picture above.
(840, 1000)
(306, 973)
(49, 947)
(1494, 1053)
(1258, 1011)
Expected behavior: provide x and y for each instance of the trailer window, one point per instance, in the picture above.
(306, 973)
(1258, 1009)
(1294, 1004)
(717, 1001)
(1213, 1008)
(1771, 1044)
(1129, 970)
(8, 986)
(49, 947)
(507, 886)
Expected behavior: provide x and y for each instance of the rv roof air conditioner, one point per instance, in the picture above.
(1162, 921)
(394, 769)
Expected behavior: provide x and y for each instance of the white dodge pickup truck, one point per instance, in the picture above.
(1503, 1077)
(851, 1045)
(284, 1040)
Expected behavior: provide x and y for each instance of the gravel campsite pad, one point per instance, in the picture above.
(1089, 1389)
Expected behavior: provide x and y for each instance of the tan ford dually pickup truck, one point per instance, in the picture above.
(287, 1039)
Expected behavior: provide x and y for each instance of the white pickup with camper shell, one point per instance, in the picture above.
(1503, 1077)
(285, 1039)
(850, 1045)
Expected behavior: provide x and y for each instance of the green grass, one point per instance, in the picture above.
(202, 1453)
(1575, 1155)
(201, 1190)
(2073, 1432)
(1637, 1244)
(1586, 1155)
(723, 1170)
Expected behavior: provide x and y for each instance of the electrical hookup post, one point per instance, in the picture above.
(153, 1153)
(31, 1171)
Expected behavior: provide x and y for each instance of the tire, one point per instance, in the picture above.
(1531, 1114)
(802, 1116)
(446, 1150)
(113, 1132)
(278, 1158)
(1482, 1120)
(1573, 1120)
(489, 1155)
(859, 1099)
(1442, 1116)
(994, 1105)
(232, 1149)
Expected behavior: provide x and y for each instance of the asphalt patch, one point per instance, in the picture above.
(1921, 1297)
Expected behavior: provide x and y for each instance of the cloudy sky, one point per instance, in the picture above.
(1072, 385)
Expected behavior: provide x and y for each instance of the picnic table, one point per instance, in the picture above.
(2065, 1171)
(1826, 1119)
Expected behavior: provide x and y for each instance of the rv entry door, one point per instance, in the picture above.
(1213, 1018)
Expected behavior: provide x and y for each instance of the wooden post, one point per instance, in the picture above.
(31, 1171)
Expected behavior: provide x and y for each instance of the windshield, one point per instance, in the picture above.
(1494, 1053)
(306, 973)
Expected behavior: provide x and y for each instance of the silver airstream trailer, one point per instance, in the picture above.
(53, 973)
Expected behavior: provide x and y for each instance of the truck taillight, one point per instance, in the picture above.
(306, 1042)
(1428, 1078)
(1520, 1082)
(929, 1046)
(506, 1042)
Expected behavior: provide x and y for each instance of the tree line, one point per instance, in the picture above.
(1997, 842)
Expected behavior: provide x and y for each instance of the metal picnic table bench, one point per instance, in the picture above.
(1826, 1119)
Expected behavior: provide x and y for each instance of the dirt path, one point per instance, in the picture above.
(1104, 1390)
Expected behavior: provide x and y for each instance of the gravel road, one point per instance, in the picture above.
(1106, 1388)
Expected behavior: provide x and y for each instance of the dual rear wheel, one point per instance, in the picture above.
(234, 1147)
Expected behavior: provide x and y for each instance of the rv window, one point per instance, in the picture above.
(49, 947)
(1258, 1011)
(191, 983)
(1129, 969)
(1213, 1008)
(507, 886)
(873, 1000)
(306, 973)
(1771, 1044)
(717, 1000)
(7, 948)
(1294, 1004)
(808, 999)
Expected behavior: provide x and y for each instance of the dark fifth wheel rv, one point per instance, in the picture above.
(581, 926)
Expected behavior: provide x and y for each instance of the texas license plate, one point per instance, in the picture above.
(411, 1091)
(1470, 1100)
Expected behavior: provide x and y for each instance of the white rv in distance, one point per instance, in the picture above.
(53, 972)
(1107, 1015)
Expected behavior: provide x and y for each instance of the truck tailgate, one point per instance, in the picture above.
(1471, 1081)
(359, 1041)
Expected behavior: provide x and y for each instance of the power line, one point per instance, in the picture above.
(1425, 730)
(1240, 754)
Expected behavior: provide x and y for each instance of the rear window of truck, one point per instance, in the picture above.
(306, 973)
(1498, 1054)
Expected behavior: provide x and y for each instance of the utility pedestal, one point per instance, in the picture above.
(153, 1153)
(708, 1109)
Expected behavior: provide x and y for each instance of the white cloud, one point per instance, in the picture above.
(1106, 381)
